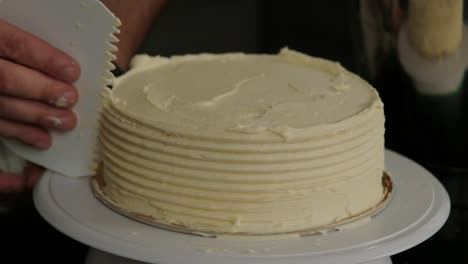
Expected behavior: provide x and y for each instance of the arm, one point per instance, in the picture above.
(137, 17)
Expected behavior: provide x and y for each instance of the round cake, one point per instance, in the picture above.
(242, 143)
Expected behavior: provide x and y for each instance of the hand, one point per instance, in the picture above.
(36, 91)
(36, 94)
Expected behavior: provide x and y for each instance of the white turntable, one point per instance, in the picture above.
(418, 209)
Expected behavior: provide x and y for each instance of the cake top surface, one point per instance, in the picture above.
(241, 93)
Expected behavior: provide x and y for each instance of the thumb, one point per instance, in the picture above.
(16, 183)
(32, 173)
(11, 182)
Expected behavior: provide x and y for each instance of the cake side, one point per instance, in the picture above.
(245, 153)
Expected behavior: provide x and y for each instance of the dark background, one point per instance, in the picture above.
(429, 130)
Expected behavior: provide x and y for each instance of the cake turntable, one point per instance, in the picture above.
(419, 207)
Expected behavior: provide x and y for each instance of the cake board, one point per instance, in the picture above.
(419, 208)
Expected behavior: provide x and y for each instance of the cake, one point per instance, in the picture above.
(435, 27)
(239, 143)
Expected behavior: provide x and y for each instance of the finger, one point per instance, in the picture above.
(24, 48)
(32, 173)
(36, 113)
(11, 183)
(27, 134)
(20, 81)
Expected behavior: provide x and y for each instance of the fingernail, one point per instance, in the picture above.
(61, 102)
(70, 73)
(65, 100)
(31, 181)
(62, 123)
(55, 121)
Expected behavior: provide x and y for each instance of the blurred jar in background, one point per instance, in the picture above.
(415, 53)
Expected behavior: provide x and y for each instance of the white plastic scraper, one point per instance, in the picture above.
(84, 29)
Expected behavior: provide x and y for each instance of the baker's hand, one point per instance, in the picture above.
(36, 91)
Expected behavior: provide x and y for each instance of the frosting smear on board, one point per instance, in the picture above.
(242, 144)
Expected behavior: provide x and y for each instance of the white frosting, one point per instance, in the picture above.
(235, 143)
